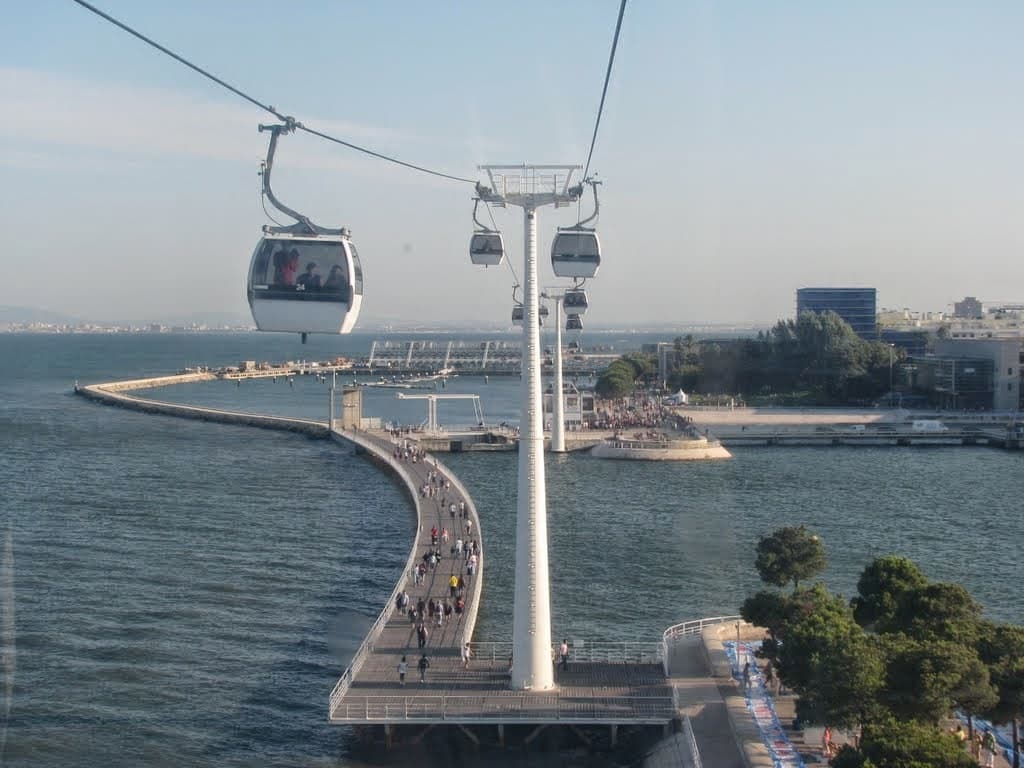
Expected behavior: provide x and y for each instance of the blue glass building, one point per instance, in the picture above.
(857, 306)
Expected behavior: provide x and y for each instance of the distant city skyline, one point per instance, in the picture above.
(745, 152)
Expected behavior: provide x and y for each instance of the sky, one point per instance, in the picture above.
(746, 149)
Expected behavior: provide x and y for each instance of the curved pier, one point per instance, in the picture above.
(392, 635)
(610, 685)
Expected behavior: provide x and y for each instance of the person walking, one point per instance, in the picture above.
(988, 748)
(423, 664)
(403, 667)
(467, 654)
(563, 652)
(421, 634)
(746, 676)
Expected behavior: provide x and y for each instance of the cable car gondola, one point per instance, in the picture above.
(573, 323)
(303, 278)
(519, 312)
(486, 247)
(575, 302)
(576, 250)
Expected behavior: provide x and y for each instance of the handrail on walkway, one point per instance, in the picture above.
(375, 447)
(689, 628)
(691, 743)
(551, 706)
(366, 647)
(610, 652)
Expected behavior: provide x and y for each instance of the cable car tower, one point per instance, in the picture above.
(530, 187)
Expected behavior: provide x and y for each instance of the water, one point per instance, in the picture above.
(187, 593)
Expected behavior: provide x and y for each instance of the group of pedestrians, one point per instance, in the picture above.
(453, 543)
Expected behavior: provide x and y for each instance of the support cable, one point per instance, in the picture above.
(490, 212)
(264, 107)
(604, 90)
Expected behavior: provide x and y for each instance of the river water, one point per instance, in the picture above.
(177, 592)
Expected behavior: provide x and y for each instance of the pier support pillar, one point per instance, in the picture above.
(614, 735)
(501, 735)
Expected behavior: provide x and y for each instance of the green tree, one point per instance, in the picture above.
(1001, 648)
(939, 611)
(617, 380)
(770, 610)
(882, 586)
(926, 679)
(895, 744)
(789, 554)
(829, 661)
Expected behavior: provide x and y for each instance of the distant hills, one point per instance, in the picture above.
(14, 315)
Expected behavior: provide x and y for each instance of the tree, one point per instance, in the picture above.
(770, 610)
(882, 586)
(617, 380)
(789, 555)
(926, 679)
(894, 744)
(1001, 648)
(941, 611)
(827, 659)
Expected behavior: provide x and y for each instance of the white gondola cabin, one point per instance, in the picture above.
(519, 312)
(305, 283)
(487, 248)
(575, 302)
(576, 253)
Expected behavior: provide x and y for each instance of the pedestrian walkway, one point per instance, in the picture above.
(622, 683)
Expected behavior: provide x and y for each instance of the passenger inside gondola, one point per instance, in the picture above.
(310, 279)
(335, 278)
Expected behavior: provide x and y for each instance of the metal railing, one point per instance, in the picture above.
(541, 707)
(384, 454)
(691, 743)
(626, 652)
(689, 629)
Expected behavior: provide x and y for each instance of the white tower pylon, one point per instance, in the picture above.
(529, 187)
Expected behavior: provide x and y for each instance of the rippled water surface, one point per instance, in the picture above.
(187, 593)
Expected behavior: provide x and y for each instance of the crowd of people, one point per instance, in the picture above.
(641, 418)
(446, 566)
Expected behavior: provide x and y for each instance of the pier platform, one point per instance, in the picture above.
(607, 684)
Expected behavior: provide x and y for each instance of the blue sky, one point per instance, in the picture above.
(747, 149)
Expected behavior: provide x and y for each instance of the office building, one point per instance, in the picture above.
(969, 309)
(857, 306)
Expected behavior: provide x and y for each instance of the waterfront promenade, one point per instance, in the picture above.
(611, 685)
(628, 693)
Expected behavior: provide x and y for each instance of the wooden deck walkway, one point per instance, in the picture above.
(620, 683)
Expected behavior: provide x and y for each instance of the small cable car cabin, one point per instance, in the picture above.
(519, 312)
(573, 323)
(575, 302)
(576, 253)
(305, 283)
(486, 248)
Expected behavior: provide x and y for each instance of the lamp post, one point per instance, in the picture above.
(530, 187)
